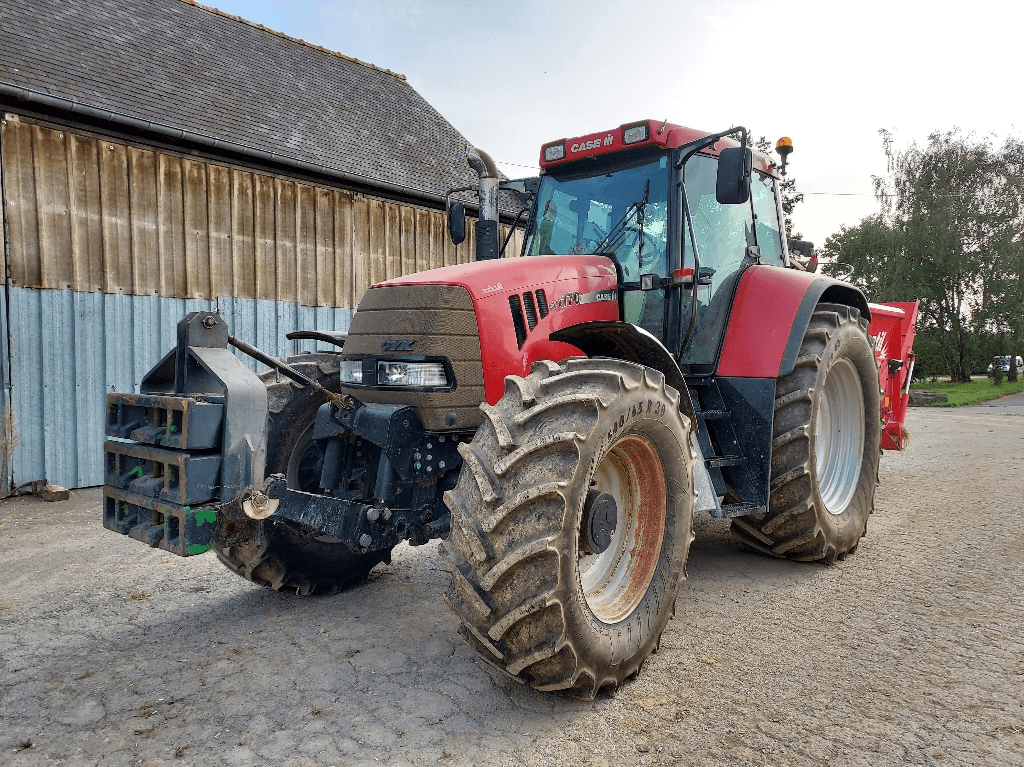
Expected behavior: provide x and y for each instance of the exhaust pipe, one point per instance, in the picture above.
(487, 224)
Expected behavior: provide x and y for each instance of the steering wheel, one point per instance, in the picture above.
(630, 245)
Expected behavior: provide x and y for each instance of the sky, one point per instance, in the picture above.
(512, 75)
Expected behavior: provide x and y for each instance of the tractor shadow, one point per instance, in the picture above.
(718, 561)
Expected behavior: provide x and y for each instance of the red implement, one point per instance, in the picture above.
(893, 326)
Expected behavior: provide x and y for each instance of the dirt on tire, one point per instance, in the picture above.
(530, 601)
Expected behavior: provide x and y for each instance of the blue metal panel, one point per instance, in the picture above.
(69, 348)
(89, 356)
(27, 383)
(6, 446)
(58, 381)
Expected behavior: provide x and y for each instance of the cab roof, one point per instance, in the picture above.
(662, 134)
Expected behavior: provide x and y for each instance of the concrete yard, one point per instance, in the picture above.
(910, 652)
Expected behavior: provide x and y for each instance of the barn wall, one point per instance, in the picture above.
(109, 245)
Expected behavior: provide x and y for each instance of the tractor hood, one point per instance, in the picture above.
(518, 303)
(487, 279)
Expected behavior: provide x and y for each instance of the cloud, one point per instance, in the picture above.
(512, 76)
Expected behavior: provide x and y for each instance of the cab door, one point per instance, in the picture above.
(724, 235)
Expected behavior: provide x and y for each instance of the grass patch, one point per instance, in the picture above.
(978, 390)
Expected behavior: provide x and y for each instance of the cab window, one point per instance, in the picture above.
(723, 233)
(763, 189)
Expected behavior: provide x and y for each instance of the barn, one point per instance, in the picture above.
(159, 157)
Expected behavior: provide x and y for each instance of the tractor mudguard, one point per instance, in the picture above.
(770, 315)
(620, 340)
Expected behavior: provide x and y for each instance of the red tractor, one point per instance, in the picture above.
(556, 419)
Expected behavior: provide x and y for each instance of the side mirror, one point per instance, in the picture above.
(457, 223)
(802, 247)
(734, 166)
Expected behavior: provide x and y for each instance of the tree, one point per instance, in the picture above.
(790, 199)
(947, 234)
(1004, 289)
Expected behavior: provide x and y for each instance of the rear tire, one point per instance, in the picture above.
(531, 601)
(282, 555)
(825, 446)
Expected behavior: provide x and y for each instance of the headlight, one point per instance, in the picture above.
(411, 374)
(554, 152)
(352, 371)
(634, 134)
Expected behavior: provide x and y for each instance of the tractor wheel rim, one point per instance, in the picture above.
(839, 436)
(306, 464)
(615, 581)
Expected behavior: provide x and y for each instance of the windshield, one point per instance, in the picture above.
(622, 214)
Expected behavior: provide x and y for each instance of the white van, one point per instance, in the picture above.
(1003, 363)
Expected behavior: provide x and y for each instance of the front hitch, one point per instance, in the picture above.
(399, 497)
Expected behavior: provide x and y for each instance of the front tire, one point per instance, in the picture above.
(825, 447)
(280, 554)
(539, 598)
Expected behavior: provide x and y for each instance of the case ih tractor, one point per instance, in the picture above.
(556, 419)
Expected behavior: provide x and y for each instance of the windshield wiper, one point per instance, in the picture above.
(619, 232)
(640, 220)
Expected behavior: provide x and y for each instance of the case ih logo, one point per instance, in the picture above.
(592, 144)
(397, 346)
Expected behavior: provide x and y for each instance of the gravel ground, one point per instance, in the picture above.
(909, 652)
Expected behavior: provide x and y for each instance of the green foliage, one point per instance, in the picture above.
(997, 376)
(948, 234)
(970, 393)
(982, 346)
(790, 199)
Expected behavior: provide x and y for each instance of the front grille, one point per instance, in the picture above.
(517, 319)
(440, 321)
(542, 303)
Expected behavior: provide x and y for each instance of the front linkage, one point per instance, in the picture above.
(192, 475)
(379, 482)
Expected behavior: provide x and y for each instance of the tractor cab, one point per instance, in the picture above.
(650, 197)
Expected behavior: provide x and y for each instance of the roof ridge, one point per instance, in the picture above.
(298, 40)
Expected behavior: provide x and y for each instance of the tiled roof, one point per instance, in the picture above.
(181, 65)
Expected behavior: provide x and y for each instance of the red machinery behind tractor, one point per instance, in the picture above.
(556, 419)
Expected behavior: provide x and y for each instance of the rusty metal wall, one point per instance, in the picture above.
(110, 244)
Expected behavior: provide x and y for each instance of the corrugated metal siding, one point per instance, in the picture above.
(110, 245)
(98, 216)
(71, 348)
